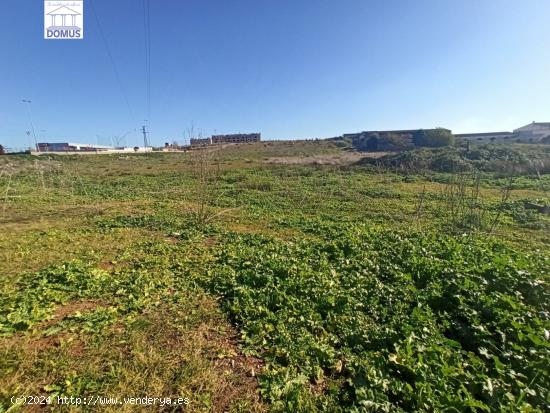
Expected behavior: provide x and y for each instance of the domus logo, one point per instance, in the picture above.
(63, 20)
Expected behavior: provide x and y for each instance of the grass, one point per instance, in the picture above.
(114, 285)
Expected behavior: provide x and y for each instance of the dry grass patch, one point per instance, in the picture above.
(171, 351)
(342, 158)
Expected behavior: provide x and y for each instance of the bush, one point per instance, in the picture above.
(435, 138)
(450, 162)
(500, 159)
(395, 142)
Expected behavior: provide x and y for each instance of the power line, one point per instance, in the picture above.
(149, 65)
(147, 38)
(113, 64)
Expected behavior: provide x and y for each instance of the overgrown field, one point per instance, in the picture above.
(245, 282)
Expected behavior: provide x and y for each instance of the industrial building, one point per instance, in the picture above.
(534, 132)
(233, 138)
(71, 147)
(201, 141)
(237, 138)
(487, 136)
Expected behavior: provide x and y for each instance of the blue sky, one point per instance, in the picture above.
(285, 68)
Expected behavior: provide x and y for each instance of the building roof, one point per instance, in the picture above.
(89, 145)
(544, 124)
(85, 145)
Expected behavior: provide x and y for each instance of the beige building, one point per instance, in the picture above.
(534, 132)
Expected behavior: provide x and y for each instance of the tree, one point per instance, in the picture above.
(434, 138)
(396, 142)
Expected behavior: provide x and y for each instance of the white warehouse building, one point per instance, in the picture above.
(534, 132)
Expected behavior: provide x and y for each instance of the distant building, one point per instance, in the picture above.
(88, 148)
(237, 138)
(487, 136)
(534, 132)
(72, 147)
(201, 141)
(173, 147)
(234, 138)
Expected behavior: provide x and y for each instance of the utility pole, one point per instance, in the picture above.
(144, 131)
(28, 102)
(29, 139)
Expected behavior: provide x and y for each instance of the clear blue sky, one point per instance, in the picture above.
(285, 68)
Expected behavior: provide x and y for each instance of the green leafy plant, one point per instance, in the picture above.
(390, 321)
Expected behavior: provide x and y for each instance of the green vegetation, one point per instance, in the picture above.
(390, 321)
(505, 160)
(434, 138)
(396, 141)
(251, 279)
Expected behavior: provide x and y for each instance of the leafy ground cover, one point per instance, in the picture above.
(248, 285)
(390, 321)
(131, 327)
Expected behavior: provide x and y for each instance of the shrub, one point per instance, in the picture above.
(500, 159)
(435, 138)
(395, 142)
